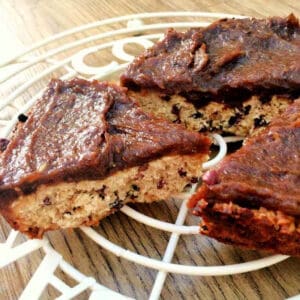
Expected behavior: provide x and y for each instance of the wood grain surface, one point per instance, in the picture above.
(24, 22)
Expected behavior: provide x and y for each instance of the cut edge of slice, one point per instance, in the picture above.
(72, 204)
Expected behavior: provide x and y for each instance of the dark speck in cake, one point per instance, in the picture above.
(260, 121)
(135, 187)
(3, 144)
(182, 172)
(22, 118)
(175, 109)
(194, 179)
(246, 109)
(234, 119)
(197, 115)
(161, 183)
(118, 203)
(47, 201)
(101, 192)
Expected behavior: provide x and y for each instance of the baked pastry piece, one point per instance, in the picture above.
(84, 151)
(252, 198)
(253, 113)
(225, 76)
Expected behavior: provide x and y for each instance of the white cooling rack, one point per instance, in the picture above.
(142, 30)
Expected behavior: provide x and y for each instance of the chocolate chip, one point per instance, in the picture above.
(234, 119)
(260, 121)
(194, 179)
(135, 187)
(182, 172)
(161, 183)
(47, 201)
(246, 109)
(118, 203)
(131, 195)
(197, 115)
(3, 144)
(175, 109)
(22, 118)
(101, 192)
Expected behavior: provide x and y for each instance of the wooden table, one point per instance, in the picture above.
(24, 22)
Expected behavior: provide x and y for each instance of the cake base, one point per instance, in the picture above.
(214, 116)
(72, 204)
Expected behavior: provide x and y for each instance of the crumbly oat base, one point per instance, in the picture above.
(213, 117)
(69, 205)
